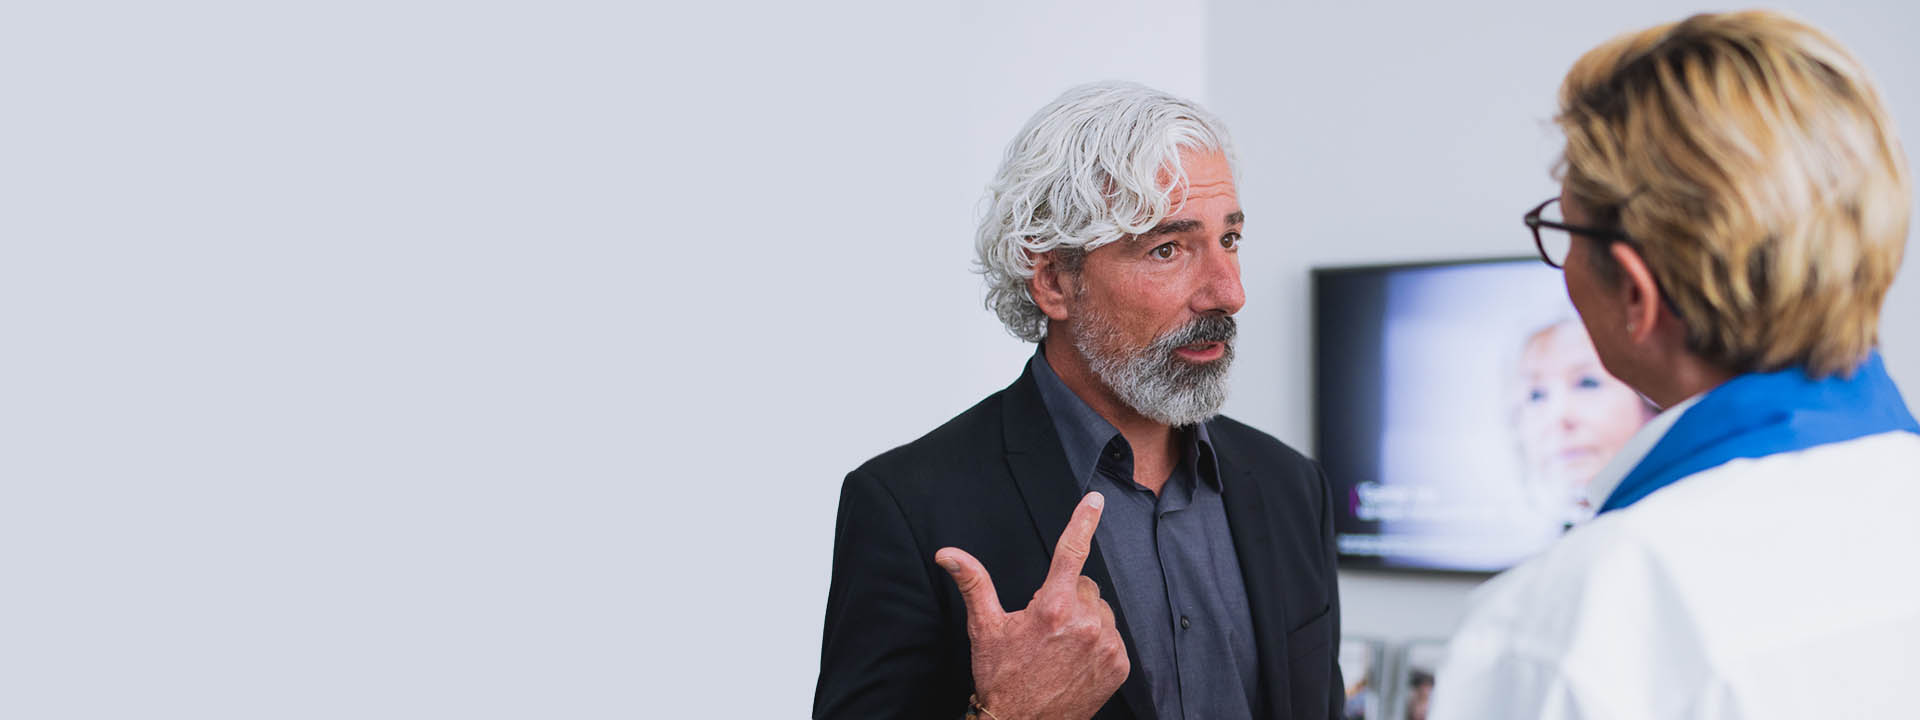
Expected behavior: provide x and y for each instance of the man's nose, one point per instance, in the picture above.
(1220, 290)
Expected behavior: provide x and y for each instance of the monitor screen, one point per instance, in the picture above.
(1460, 411)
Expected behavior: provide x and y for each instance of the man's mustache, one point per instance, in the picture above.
(1206, 329)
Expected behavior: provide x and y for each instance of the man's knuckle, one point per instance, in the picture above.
(1062, 607)
(1087, 628)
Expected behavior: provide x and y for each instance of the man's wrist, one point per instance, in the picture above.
(977, 710)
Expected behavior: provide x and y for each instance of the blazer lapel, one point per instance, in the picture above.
(1247, 522)
(1039, 467)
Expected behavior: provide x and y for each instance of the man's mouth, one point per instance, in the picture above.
(1203, 352)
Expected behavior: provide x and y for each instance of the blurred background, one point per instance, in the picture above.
(455, 359)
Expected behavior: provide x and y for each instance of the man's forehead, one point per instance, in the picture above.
(1198, 161)
(1200, 174)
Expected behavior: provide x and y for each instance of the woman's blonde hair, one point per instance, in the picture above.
(1750, 159)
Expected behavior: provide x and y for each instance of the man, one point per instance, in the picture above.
(1734, 206)
(1206, 546)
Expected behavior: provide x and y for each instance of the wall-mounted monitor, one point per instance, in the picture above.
(1460, 411)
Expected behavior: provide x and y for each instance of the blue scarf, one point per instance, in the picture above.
(1761, 414)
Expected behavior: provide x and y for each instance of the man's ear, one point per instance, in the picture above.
(1640, 292)
(1052, 285)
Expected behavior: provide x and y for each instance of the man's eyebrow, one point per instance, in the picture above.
(1174, 227)
(1171, 227)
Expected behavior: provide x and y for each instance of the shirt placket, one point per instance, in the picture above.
(1174, 497)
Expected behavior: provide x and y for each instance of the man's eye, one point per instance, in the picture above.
(1164, 252)
(1230, 240)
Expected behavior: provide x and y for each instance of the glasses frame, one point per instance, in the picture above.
(1534, 223)
(1608, 235)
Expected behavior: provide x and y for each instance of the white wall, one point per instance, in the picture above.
(1389, 132)
(433, 359)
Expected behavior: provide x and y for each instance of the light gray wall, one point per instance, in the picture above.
(428, 359)
(1389, 132)
(435, 359)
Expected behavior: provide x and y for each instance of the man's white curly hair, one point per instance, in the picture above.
(1092, 167)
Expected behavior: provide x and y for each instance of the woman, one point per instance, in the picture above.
(1570, 418)
(1734, 206)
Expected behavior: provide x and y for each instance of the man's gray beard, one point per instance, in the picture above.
(1153, 381)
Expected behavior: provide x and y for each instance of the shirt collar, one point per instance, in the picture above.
(1633, 452)
(1084, 434)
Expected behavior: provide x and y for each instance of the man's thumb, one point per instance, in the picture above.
(976, 586)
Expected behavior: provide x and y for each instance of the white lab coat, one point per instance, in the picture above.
(1786, 586)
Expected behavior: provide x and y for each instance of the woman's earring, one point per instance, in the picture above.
(1630, 327)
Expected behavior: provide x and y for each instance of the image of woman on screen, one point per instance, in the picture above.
(1572, 417)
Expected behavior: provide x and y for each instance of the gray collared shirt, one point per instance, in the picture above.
(1172, 561)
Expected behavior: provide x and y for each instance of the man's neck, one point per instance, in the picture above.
(1152, 442)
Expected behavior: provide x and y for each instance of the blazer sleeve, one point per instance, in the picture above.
(881, 653)
(1331, 549)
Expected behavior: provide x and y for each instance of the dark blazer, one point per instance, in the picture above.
(994, 482)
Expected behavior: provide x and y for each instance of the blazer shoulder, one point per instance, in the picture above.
(1244, 444)
(960, 446)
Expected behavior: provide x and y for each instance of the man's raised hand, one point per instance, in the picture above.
(1062, 656)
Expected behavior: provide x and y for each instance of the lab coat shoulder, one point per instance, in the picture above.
(1546, 640)
(1739, 585)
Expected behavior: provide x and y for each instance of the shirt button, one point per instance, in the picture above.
(1185, 623)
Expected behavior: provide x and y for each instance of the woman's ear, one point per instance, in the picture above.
(1640, 293)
